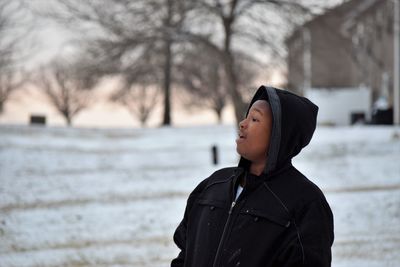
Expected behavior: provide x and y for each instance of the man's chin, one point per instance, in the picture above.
(238, 151)
(241, 153)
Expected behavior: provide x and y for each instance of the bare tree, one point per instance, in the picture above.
(139, 91)
(201, 74)
(371, 47)
(140, 100)
(248, 71)
(11, 39)
(122, 30)
(9, 82)
(248, 26)
(68, 86)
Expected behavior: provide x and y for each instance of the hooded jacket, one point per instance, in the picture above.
(280, 219)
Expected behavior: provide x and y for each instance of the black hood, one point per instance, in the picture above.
(293, 124)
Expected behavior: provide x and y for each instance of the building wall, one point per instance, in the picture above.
(362, 55)
(332, 62)
(337, 106)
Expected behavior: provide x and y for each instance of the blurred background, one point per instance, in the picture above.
(111, 112)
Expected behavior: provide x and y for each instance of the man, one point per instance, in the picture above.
(263, 212)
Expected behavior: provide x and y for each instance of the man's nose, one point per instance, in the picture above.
(242, 124)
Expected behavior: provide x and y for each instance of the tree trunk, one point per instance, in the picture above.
(219, 115)
(144, 115)
(237, 99)
(69, 121)
(167, 84)
(167, 68)
(142, 123)
(67, 117)
(1, 107)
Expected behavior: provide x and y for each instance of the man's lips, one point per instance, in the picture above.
(241, 137)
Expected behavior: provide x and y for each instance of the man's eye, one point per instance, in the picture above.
(254, 119)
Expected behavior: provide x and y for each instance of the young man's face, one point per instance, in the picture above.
(255, 132)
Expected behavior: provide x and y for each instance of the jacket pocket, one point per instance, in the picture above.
(212, 203)
(259, 214)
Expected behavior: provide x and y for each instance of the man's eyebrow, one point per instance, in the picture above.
(258, 110)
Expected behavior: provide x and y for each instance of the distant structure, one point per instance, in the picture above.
(36, 119)
(348, 48)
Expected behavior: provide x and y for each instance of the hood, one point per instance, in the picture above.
(293, 125)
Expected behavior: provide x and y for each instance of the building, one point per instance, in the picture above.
(350, 46)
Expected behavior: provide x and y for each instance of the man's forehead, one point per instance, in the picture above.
(260, 104)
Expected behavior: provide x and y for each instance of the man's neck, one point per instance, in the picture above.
(257, 168)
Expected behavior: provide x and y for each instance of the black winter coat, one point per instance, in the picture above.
(280, 219)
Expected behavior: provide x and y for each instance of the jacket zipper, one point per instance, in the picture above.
(223, 235)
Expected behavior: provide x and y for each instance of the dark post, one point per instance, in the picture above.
(214, 150)
(37, 119)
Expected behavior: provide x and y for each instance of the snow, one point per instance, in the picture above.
(113, 197)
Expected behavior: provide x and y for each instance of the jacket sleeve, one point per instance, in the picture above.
(312, 239)
(181, 230)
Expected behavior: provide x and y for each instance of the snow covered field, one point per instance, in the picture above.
(85, 197)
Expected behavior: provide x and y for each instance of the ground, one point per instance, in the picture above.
(90, 197)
